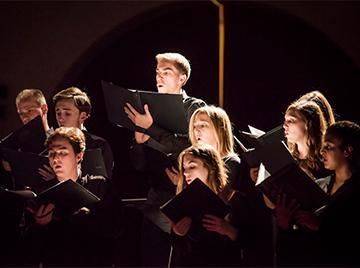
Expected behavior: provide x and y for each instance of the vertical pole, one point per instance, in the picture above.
(221, 50)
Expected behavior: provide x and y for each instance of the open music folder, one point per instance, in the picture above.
(25, 168)
(28, 138)
(256, 144)
(167, 110)
(280, 174)
(194, 201)
(67, 196)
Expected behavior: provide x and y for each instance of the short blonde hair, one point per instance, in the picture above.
(222, 125)
(74, 135)
(217, 178)
(31, 93)
(181, 63)
(80, 98)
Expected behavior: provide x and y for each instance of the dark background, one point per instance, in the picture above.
(274, 52)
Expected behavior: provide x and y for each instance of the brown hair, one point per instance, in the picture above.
(310, 113)
(74, 135)
(80, 98)
(323, 103)
(217, 178)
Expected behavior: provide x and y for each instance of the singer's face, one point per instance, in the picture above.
(194, 168)
(28, 110)
(294, 128)
(168, 78)
(333, 156)
(63, 159)
(67, 114)
(204, 131)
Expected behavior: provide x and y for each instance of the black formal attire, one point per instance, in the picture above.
(84, 238)
(254, 221)
(94, 142)
(151, 159)
(296, 245)
(233, 165)
(339, 230)
(174, 143)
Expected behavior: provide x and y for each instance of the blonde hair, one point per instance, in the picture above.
(74, 135)
(217, 177)
(222, 125)
(31, 93)
(310, 113)
(181, 63)
(80, 98)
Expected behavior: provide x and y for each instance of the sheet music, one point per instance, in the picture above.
(256, 132)
(263, 174)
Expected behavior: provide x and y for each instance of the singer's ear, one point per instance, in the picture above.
(44, 108)
(183, 79)
(79, 157)
(83, 117)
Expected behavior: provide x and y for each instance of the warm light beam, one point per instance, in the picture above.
(221, 50)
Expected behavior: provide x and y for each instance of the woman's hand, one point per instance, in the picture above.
(173, 175)
(284, 211)
(307, 219)
(44, 214)
(254, 174)
(220, 226)
(182, 226)
(6, 165)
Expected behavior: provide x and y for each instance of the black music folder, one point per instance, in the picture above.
(93, 163)
(256, 147)
(67, 196)
(28, 138)
(14, 201)
(194, 201)
(280, 174)
(167, 110)
(257, 137)
(24, 168)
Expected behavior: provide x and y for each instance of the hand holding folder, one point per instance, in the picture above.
(280, 174)
(67, 196)
(25, 168)
(194, 201)
(167, 110)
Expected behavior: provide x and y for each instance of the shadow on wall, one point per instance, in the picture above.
(271, 59)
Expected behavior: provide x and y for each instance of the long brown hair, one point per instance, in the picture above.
(217, 178)
(315, 125)
(324, 105)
